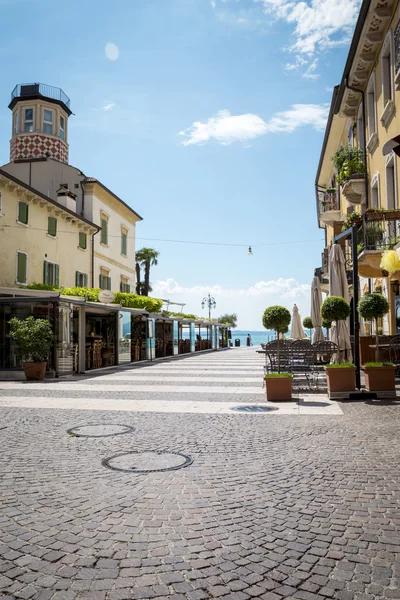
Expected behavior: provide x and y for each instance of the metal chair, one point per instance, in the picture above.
(394, 352)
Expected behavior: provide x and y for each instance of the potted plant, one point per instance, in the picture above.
(308, 324)
(349, 162)
(379, 377)
(278, 385)
(33, 339)
(341, 376)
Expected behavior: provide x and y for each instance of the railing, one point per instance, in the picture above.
(328, 201)
(39, 89)
(396, 37)
(379, 230)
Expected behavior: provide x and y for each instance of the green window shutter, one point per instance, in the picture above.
(82, 240)
(128, 288)
(85, 282)
(77, 279)
(52, 226)
(124, 244)
(23, 213)
(108, 283)
(57, 281)
(21, 267)
(104, 232)
(45, 272)
(121, 287)
(101, 285)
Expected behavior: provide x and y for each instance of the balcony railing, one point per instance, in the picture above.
(396, 37)
(379, 230)
(328, 201)
(40, 89)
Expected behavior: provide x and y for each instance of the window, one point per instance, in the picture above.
(62, 128)
(387, 70)
(104, 229)
(124, 285)
(105, 279)
(391, 192)
(23, 212)
(22, 261)
(360, 127)
(375, 195)
(28, 119)
(48, 121)
(16, 122)
(124, 242)
(371, 114)
(82, 240)
(51, 273)
(52, 226)
(350, 135)
(81, 279)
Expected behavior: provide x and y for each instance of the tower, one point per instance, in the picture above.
(40, 122)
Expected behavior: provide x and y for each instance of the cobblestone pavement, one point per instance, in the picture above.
(273, 506)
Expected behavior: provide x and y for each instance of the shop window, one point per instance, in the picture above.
(81, 279)
(51, 273)
(104, 229)
(124, 242)
(23, 212)
(28, 119)
(52, 226)
(48, 121)
(82, 240)
(22, 263)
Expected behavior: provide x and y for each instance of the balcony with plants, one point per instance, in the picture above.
(378, 231)
(349, 164)
(328, 206)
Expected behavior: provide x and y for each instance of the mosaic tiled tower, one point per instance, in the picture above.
(40, 122)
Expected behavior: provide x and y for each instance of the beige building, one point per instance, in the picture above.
(39, 158)
(357, 180)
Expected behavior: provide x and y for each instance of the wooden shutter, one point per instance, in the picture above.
(108, 283)
(85, 281)
(21, 267)
(57, 273)
(124, 244)
(121, 287)
(104, 233)
(77, 282)
(128, 288)
(23, 213)
(101, 284)
(52, 226)
(45, 272)
(82, 240)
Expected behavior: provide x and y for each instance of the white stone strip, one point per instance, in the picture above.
(157, 406)
(103, 387)
(205, 378)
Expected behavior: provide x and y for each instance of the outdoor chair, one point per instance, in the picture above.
(384, 352)
(394, 353)
(302, 362)
(323, 353)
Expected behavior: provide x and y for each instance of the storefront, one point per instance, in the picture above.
(164, 338)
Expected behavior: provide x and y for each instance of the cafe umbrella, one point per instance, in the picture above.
(338, 286)
(316, 301)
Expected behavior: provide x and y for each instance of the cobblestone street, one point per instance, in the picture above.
(301, 502)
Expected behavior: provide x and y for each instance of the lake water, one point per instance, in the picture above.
(257, 337)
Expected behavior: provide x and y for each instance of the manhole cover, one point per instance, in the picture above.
(254, 408)
(147, 462)
(100, 430)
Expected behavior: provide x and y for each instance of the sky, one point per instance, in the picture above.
(207, 118)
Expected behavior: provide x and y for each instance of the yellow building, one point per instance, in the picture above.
(355, 181)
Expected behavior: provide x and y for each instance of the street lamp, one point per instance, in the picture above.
(210, 302)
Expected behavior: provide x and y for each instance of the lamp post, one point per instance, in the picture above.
(210, 302)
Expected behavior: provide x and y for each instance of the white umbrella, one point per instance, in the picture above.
(316, 301)
(338, 286)
(297, 331)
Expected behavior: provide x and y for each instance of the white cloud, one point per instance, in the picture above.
(226, 128)
(318, 24)
(111, 51)
(310, 72)
(108, 106)
(248, 302)
(213, 4)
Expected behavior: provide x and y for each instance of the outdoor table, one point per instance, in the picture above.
(383, 346)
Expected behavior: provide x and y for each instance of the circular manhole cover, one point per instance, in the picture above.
(147, 462)
(99, 430)
(254, 408)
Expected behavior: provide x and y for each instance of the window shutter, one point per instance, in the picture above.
(104, 233)
(101, 285)
(121, 287)
(52, 226)
(123, 243)
(85, 282)
(82, 240)
(57, 270)
(128, 288)
(21, 267)
(77, 279)
(109, 283)
(23, 213)
(45, 272)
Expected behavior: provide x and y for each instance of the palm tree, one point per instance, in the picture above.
(145, 258)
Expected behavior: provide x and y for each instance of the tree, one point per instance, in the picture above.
(308, 324)
(145, 258)
(277, 318)
(335, 308)
(229, 319)
(373, 307)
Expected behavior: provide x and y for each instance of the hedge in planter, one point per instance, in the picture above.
(33, 339)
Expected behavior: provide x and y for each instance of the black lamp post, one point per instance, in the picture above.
(210, 302)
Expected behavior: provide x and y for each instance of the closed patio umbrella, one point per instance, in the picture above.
(297, 331)
(338, 286)
(316, 301)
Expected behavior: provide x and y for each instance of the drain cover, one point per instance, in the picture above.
(147, 462)
(254, 408)
(99, 430)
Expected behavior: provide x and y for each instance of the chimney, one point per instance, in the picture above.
(66, 198)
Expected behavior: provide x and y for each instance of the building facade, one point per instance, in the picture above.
(358, 180)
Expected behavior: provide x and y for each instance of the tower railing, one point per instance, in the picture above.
(40, 89)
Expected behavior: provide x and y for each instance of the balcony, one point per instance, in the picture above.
(379, 231)
(328, 206)
(39, 90)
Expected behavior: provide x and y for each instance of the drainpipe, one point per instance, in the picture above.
(353, 89)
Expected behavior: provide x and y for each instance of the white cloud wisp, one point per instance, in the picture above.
(225, 128)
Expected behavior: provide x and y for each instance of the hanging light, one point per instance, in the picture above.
(250, 252)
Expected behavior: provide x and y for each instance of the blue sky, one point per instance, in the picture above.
(207, 117)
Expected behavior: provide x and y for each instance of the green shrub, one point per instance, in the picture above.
(326, 324)
(33, 338)
(91, 294)
(274, 375)
(153, 305)
(373, 306)
(379, 364)
(345, 365)
(186, 316)
(276, 318)
(335, 308)
(307, 323)
(42, 286)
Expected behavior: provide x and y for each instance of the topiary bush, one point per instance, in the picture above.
(335, 308)
(308, 324)
(277, 318)
(372, 307)
(326, 324)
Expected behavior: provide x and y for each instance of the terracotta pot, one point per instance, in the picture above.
(278, 388)
(378, 379)
(35, 371)
(341, 380)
